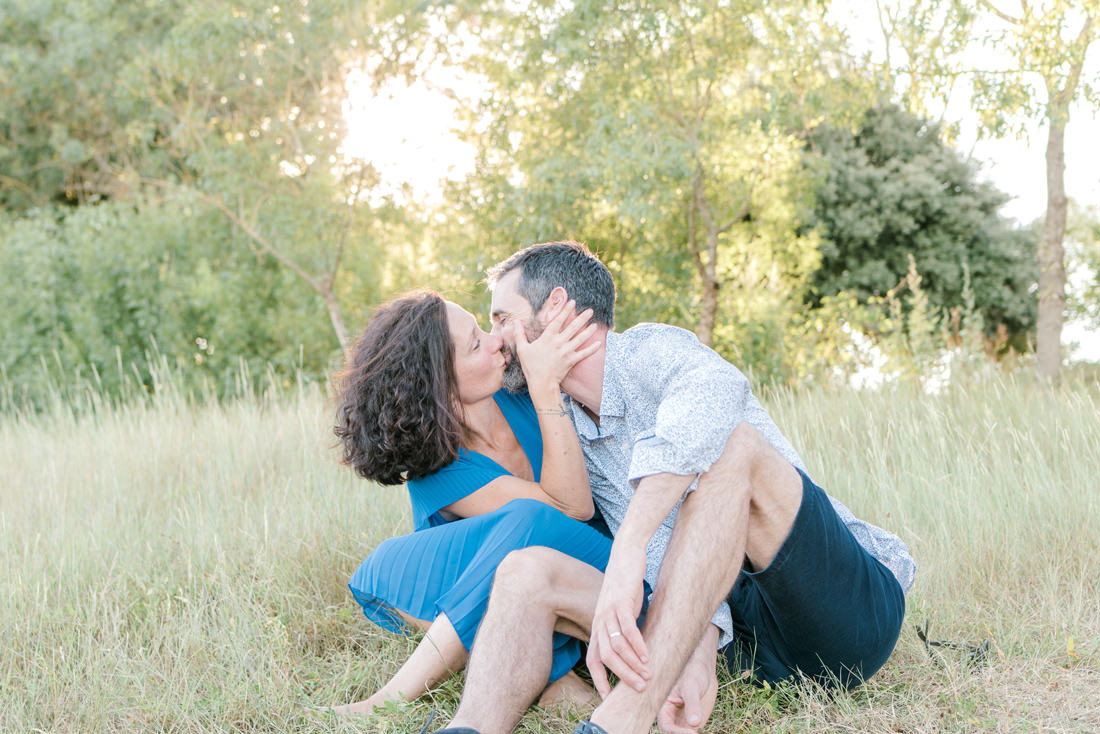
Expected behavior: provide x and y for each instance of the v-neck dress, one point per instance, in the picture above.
(447, 567)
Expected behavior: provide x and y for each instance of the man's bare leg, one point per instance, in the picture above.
(438, 655)
(745, 505)
(536, 592)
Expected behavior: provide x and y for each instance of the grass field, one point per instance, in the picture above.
(182, 568)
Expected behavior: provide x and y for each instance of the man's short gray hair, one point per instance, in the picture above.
(568, 264)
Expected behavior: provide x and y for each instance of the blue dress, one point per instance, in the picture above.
(447, 567)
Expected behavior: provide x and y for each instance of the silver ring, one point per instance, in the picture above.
(615, 634)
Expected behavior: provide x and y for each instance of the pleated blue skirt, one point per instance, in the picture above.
(449, 569)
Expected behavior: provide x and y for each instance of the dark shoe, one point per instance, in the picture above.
(587, 727)
(448, 730)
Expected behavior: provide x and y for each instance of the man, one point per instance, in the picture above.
(697, 483)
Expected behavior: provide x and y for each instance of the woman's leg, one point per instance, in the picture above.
(438, 655)
(447, 571)
(570, 692)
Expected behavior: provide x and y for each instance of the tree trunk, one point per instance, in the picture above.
(709, 302)
(710, 309)
(336, 315)
(1052, 268)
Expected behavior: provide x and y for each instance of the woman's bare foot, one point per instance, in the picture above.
(367, 706)
(569, 693)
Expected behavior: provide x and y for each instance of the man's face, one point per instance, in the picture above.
(509, 307)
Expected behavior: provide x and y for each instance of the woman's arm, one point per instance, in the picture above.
(563, 483)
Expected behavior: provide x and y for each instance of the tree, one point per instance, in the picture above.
(892, 189)
(1050, 40)
(74, 112)
(1047, 42)
(667, 135)
(238, 105)
(253, 93)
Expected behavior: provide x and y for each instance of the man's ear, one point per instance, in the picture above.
(557, 297)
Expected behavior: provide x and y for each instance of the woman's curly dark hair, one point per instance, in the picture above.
(397, 416)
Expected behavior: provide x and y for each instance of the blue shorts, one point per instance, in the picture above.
(824, 607)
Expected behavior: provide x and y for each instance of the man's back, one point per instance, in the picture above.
(668, 405)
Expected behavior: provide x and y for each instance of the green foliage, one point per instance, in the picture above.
(891, 191)
(102, 293)
(665, 135)
(75, 108)
(238, 105)
(216, 218)
(1040, 69)
(1083, 255)
(1048, 42)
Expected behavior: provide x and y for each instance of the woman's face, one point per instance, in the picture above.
(479, 364)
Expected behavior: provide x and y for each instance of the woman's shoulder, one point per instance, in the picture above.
(462, 477)
(465, 461)
(470, 470)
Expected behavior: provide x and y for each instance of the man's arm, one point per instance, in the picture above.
(616, 641)
(701, 398)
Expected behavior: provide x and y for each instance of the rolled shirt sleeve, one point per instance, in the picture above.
(701, 398)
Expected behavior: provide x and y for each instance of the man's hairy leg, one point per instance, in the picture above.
(744, 505)
(536, 592)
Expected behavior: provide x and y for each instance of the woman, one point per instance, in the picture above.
(421, 402)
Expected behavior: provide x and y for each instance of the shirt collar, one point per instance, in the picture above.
(612, 400)
(586, 427)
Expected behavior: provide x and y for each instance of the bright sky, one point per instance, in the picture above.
(1015, 166)
(406, 131)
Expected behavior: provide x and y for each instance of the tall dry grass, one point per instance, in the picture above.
(178, 567)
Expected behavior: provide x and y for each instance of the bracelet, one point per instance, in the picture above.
(552, 411)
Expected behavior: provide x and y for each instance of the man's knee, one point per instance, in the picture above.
(745, 449)
(527, 573)
(748, 444)
(752, 471)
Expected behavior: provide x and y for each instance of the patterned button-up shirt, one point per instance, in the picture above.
(668, 406)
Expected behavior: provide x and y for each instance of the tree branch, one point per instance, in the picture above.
(694, 61)
(1080, 47)
(341, 239)
(14, 183)
(739, 217)
(667, 97)
(1000, 13)
(887, 36)
(259, 239)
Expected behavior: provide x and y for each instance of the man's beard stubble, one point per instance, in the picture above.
(514, 380)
